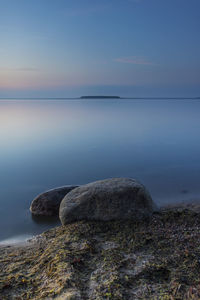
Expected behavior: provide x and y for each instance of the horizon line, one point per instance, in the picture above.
(80, 98)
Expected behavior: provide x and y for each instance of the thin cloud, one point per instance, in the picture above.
(135, 1)
(22, 69)
(134, 60)
(27, 69)
(86, 11)
(40, 38)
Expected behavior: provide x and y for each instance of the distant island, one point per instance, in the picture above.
(99, 97)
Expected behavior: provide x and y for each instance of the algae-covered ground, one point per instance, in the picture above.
(155, 259)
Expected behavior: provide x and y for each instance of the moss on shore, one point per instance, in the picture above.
(155, 259)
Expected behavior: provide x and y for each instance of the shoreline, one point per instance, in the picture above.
(17, 240)
(108, 260)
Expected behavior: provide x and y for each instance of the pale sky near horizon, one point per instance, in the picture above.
(69, 48)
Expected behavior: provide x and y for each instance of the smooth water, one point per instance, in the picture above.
(50, 143)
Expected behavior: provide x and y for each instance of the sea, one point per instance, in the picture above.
(48, 143)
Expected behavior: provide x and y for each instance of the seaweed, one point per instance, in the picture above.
(153, 259)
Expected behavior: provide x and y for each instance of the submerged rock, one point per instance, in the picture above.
(104, 200)
(47, 203)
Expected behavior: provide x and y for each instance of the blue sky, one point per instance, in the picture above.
(68, 48)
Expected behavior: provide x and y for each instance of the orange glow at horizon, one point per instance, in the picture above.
(40, 79)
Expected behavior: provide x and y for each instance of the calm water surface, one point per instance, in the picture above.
(46, 144)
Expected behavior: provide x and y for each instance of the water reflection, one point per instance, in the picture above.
(45, 220)
(45, 144)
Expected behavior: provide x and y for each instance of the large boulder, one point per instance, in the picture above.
(110, 199)
(47, 203)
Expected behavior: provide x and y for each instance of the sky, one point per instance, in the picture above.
(69, 48)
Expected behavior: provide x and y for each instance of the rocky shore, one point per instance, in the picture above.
(151, 258)
(158, 259)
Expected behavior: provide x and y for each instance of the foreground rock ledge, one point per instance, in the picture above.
(105, 200)
(48, 203)
(120, 260)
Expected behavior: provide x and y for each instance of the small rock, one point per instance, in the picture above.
(47, 204)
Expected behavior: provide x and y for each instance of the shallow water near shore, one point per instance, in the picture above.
(50, 143)
(16, 240)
